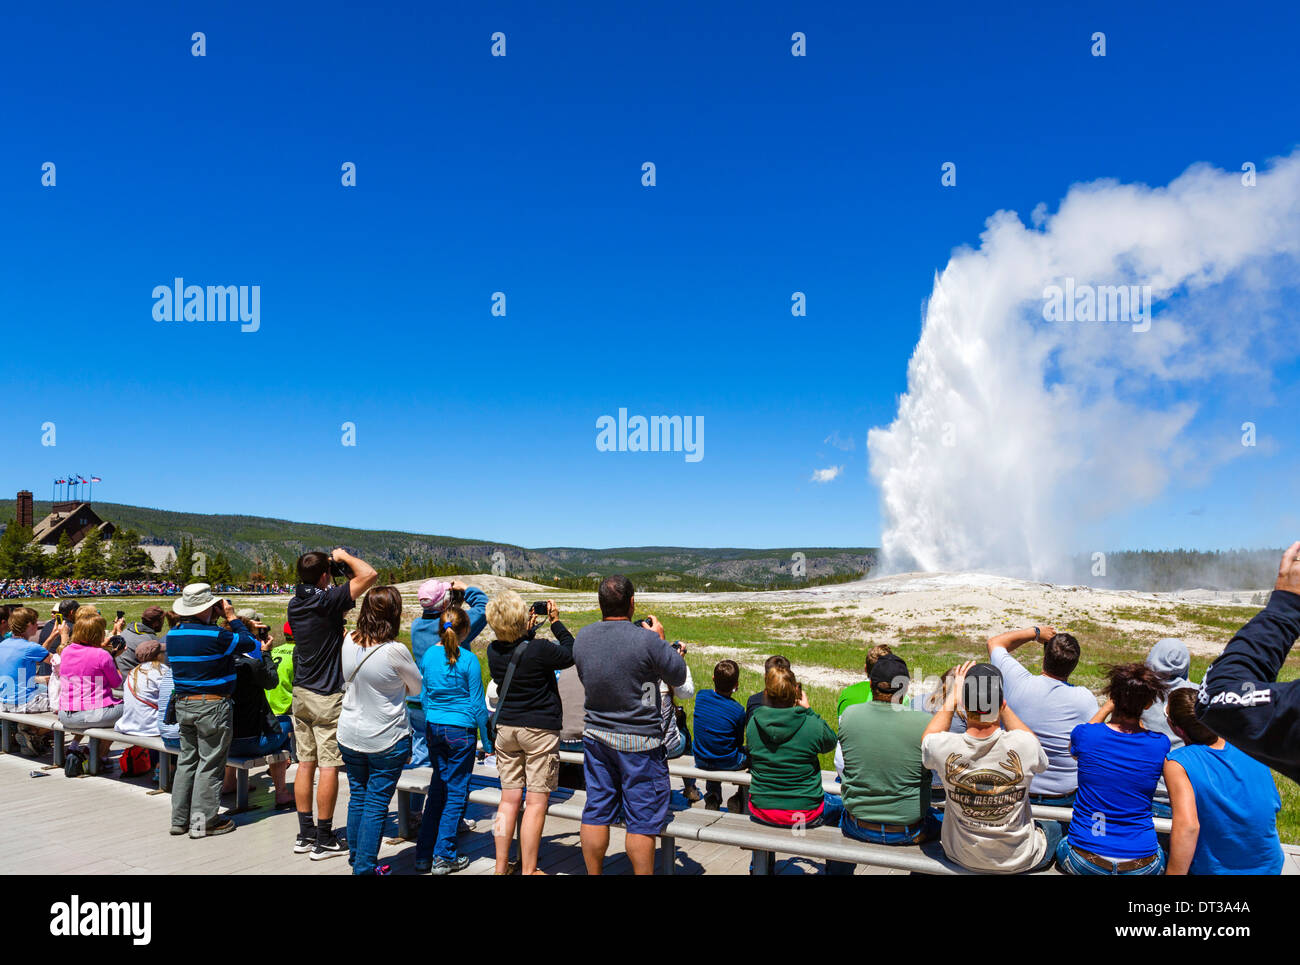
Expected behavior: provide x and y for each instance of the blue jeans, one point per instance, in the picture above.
(1162, 809)
(1071, 864)
(372, 781)
(419, 744)
(1048, 800)
(1052, 831)
(451, 754)
(929, 830)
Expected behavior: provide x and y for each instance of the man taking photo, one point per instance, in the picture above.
(316, 619)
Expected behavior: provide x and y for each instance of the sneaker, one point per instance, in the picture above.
(302, 844)
(734, 805)
(384, 869)
(442, 866)
(422, 867)
(221, 825)
(713, 802)
(328, 848)
(175, 832)
(692, 793)
(466, 825)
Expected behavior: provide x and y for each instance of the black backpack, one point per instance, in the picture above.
(74, 762)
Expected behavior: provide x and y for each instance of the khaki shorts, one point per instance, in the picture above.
(528, 757)
(316, 726)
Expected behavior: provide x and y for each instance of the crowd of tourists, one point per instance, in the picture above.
(963, 762)
(20, 589)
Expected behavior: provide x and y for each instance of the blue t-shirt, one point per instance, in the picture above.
(719, 732)
(1117, 780)
(453, 693)
(1236, 806)
(18, 661)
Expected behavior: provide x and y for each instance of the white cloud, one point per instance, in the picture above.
(834, 439)
(827, 474)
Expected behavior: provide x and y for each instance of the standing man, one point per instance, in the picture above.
(1048, 704)
(202, 657)
(624, 766)
(316, 619)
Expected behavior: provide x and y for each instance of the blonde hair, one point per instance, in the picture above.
(876, 652)
(781, 687)
(507, 615)
(89, 628)
(453, 628)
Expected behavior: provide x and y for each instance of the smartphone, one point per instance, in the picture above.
(58, 619)
(540, 608)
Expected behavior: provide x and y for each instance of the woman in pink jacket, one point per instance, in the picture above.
(88, 676)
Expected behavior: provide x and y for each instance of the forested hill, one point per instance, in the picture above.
(257, 544)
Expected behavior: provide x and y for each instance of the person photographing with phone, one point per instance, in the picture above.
(528, 718)
(316, 617)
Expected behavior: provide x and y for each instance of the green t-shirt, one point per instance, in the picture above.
(884, 779)
(280, 697)
(860, 693)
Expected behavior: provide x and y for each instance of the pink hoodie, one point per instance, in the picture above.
(87, 678)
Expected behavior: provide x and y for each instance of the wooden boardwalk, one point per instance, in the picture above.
(111, 825)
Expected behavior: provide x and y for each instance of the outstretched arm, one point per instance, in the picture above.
(1012, 639)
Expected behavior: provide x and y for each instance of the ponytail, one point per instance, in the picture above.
(453, 628)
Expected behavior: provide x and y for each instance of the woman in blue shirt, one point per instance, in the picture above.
(1225, 802)
(455, 712)
(1120, 761)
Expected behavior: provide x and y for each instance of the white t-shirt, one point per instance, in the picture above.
(140, 701)
(373, 717)
(987, 822)
(1052, 710)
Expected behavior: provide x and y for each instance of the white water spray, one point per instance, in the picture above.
(1018, 435)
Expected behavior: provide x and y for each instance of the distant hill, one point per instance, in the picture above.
(250, 542)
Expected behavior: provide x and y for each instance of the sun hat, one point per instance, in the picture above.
(433, 593)
(195, 598)
(248, 614)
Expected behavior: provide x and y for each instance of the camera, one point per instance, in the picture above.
(641, 623)
(456, 597)
(540, 608)
(339, 568)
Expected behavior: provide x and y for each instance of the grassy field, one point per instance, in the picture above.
(826, 647)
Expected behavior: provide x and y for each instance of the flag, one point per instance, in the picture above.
(95, 479)
(59, 482)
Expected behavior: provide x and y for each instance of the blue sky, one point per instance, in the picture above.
(522, 174)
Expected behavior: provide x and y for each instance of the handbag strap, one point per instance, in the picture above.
(370, 652)
(510, 673)
(143, 700)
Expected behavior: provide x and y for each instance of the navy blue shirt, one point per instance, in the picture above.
(719, 732)
(202, 656)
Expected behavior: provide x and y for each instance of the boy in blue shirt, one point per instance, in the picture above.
(720, 733)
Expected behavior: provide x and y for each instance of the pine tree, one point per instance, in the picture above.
(64, 561)
(91, 564)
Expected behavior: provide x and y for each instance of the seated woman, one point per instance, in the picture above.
(22, 686)
(454, 713)
(528, 720)
(140, 694)
(1225, 803)
(170, 733)
(374, 736)
(258, 732)
(785, 741)
(1120, 762)
(88, 676)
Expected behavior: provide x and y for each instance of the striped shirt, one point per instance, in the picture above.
(624, 742)
(202, 656)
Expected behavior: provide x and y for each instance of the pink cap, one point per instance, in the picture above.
(433, 593)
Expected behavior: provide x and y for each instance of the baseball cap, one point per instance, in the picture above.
(886, 674)
(982, 694)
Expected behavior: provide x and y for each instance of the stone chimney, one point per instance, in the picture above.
(25, 509)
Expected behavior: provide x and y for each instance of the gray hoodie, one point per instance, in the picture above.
(1169, 657)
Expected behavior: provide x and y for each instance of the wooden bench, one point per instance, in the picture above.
(166, 764)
